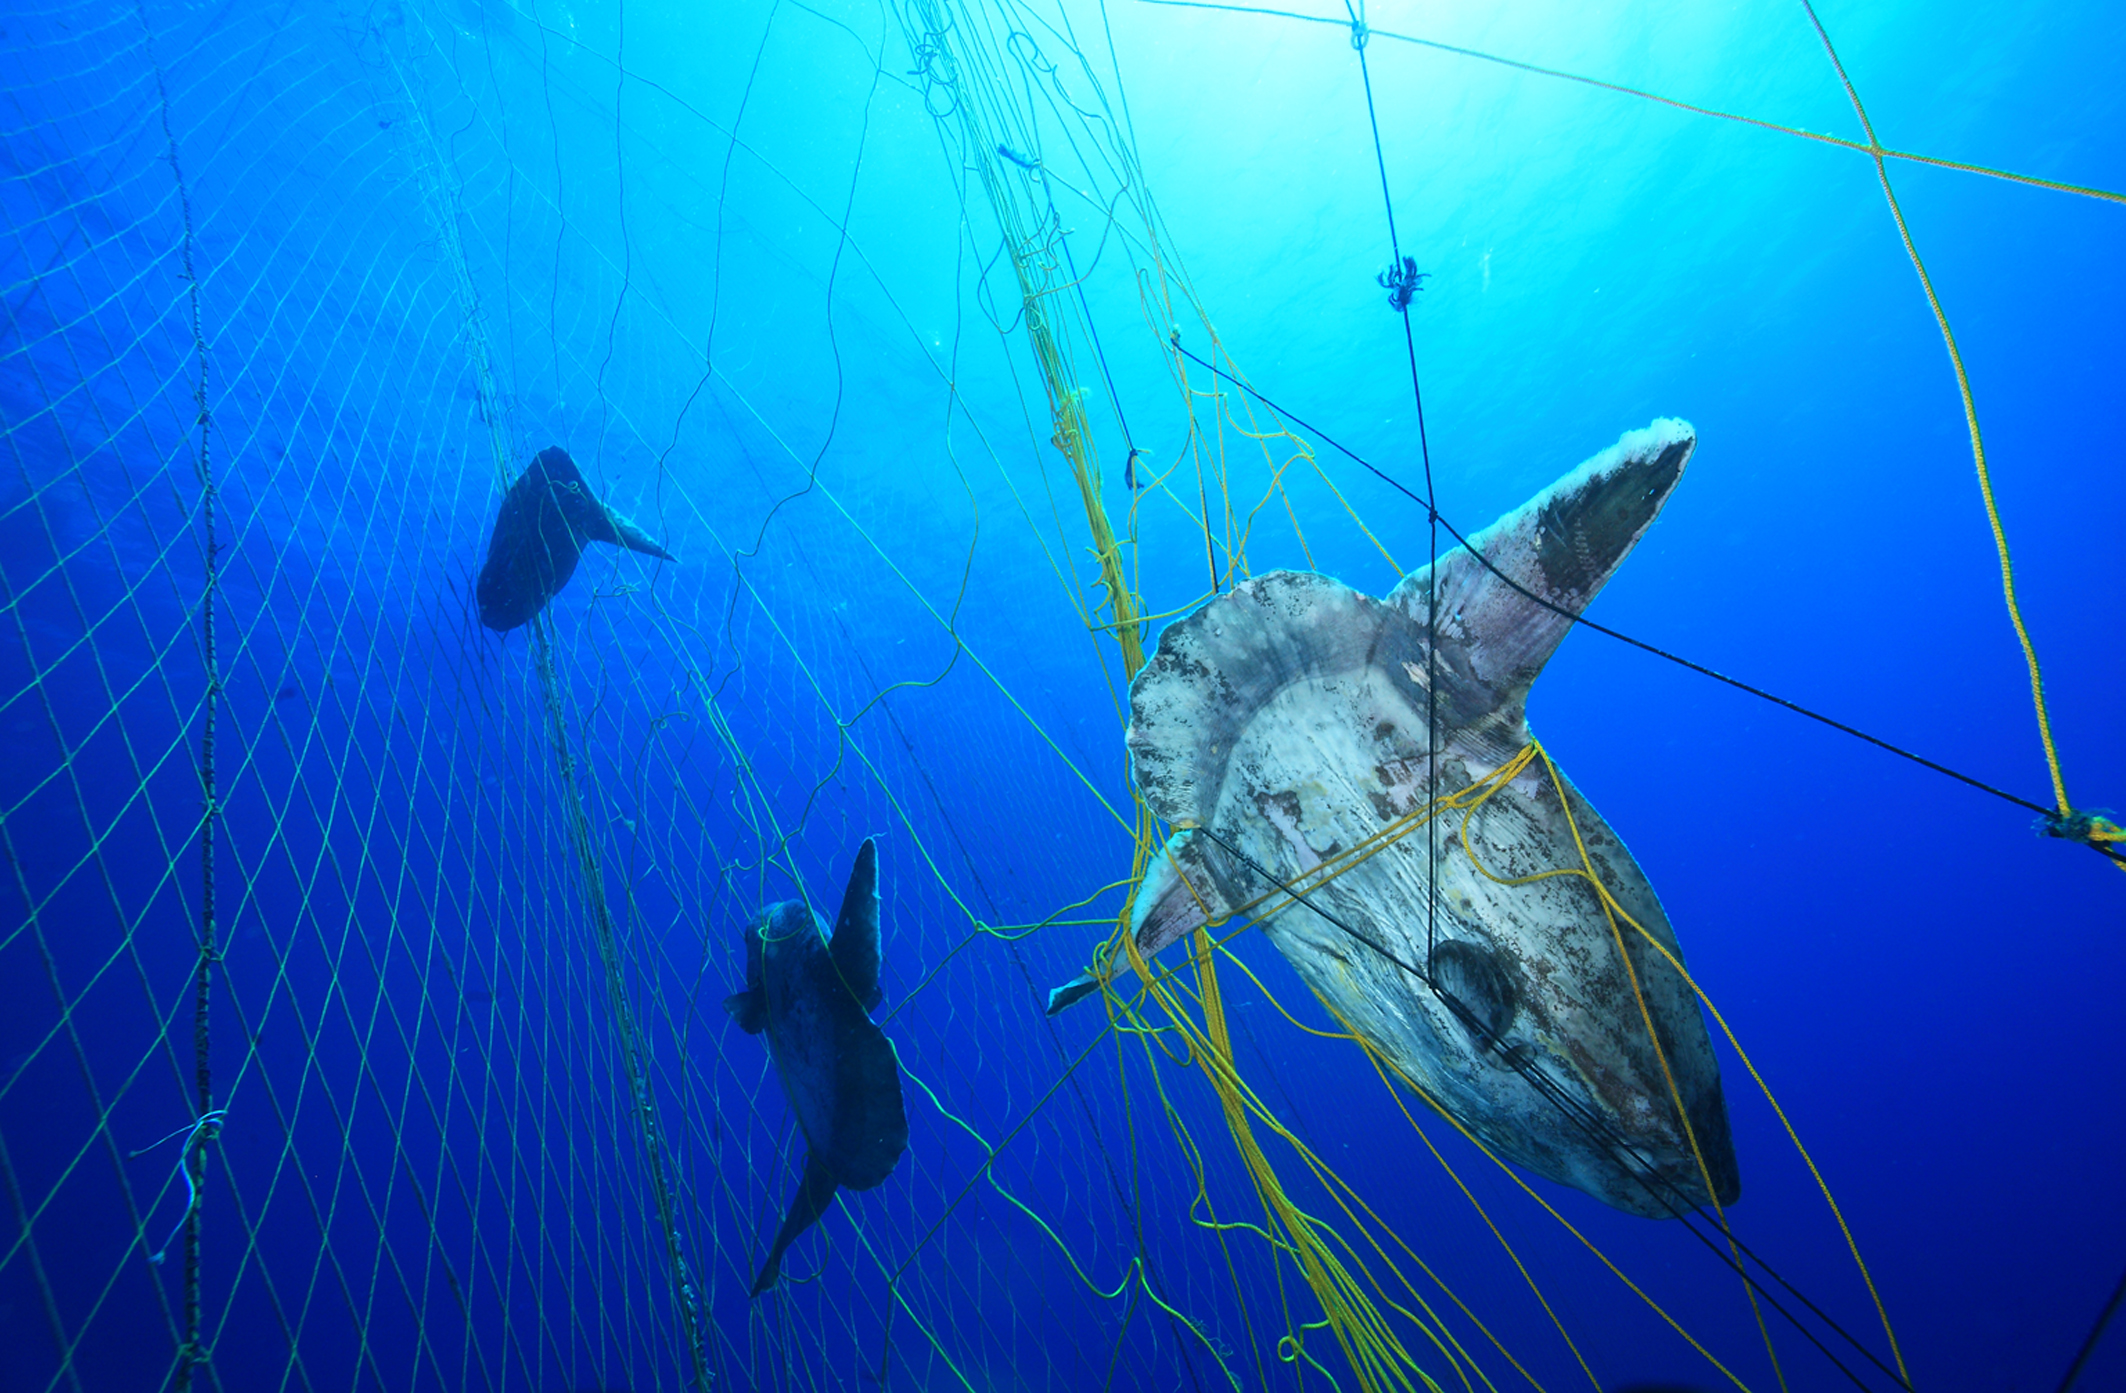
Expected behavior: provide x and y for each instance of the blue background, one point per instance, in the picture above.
(780, 353)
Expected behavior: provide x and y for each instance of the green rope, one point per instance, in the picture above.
(191, 1353)
(634, 1053)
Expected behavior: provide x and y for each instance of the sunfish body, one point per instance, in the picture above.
(1284, 724)
(813, 996)
(548, 516)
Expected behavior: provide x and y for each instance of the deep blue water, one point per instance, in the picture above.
(431, 240)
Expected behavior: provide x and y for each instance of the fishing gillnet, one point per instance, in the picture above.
(366, 985)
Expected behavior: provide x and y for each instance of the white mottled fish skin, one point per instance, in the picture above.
(1289, 718)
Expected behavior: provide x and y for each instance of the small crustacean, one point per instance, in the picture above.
(1402, 283)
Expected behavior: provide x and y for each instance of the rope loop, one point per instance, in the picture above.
(199, 1133)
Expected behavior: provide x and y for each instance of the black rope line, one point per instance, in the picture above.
(1797, 708)
(1203, 504)
(1403, 278)
(1602, 1133)
(1403, 281)
(2096, 1333)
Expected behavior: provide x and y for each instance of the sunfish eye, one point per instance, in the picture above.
(1478, 988)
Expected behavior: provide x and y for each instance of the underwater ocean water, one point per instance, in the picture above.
(498, 494)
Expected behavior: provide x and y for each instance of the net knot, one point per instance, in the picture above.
(2090, 826)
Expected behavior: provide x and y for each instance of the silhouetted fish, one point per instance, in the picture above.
(812, 997)
(545, 520)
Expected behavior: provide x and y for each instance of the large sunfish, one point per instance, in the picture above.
(1284, 723)
(813, 996)
(548, 516)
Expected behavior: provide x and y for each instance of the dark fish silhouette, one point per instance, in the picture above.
(812, 996)
(546, 518)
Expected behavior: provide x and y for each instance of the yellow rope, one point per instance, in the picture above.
(1563, 1222)
(1372, 1349)
(1631, 973)
(1879, 153)
(1469, 801)
(1380, 1062)
(1610, 906)
(1962, 166)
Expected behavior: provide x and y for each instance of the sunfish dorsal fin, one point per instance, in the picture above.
(1562, 546)
(586, 513)
(626, 534)
(856, 942)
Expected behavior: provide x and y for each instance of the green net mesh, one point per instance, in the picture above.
(362, 969)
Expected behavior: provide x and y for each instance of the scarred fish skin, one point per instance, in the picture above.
(1285, 722)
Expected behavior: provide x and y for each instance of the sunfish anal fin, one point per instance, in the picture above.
(814, 1193)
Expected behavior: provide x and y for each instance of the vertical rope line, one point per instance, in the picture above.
(1985, 488)
(1359, 36)
(1970, 405)
(189, 1354)
(633, 1049)
(1398, 268)
(634, 1053)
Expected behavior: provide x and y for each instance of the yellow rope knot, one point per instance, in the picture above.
(2093, 828)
